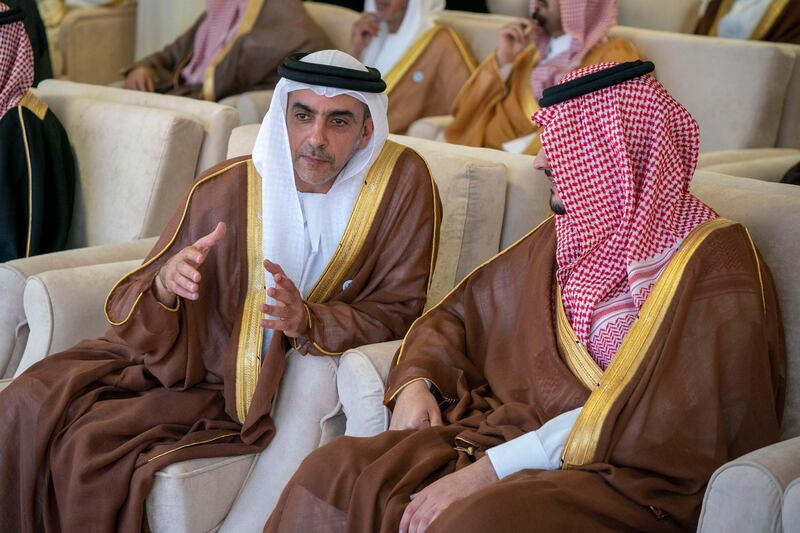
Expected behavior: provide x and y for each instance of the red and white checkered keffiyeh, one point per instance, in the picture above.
(621, 160)
(587, 22)
(222, 20)
(16, 63)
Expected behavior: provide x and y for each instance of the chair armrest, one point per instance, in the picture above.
(65, 306)
(361, 382)
(85, 31)
(13, 275)
(430, 127)
(252, 105)
(791, 505)
(746, 494)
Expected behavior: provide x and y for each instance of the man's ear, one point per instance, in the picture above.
(366, 133)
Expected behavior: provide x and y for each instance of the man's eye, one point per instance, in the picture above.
(301, 116)
(339, 122)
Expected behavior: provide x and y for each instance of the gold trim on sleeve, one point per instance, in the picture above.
(30, 102)
(30, 181)
(454, 289)
(575, 354)
(164, 249)
(246, 24)
(581, 446)
(768, 19)
(393, 77)
(251, 334)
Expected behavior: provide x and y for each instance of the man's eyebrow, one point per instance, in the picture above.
(303, 107)
(342, 113)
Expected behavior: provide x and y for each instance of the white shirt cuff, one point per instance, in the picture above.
(540, 449)
(505, 71)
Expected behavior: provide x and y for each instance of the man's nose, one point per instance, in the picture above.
(319, 136)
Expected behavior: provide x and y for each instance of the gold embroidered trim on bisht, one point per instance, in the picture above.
(246, 24)
(393, 77)
(30, 102)
(189, 445)
(163, 250)
(575, 354)
(463, 49)
(768, 19)
(358, 227)
(30, 181)
(251, 334)
(581, 446)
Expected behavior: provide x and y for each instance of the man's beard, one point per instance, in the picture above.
(557, 207)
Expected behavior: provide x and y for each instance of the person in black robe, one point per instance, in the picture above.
(37, 168)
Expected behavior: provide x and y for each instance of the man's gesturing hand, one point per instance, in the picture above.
(416, 408)
(288, 309)
(180, 276)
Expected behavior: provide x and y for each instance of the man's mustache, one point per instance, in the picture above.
(316, 153)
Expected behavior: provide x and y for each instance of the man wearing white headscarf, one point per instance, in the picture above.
(329, 230)
(495, 106)
(757, 20)
(424, 64)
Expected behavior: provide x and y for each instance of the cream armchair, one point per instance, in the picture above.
(137, 154)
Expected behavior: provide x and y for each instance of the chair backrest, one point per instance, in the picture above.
(771, 213)
(133, 165)
(679, 16)
(335, 20)
(789, 133)
(216, 120)
(722, 82)
(478, 30)
(473, 191)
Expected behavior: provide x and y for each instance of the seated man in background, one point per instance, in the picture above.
(37, 170)
(758, 20)
(190, 366)
(236, 46)
(591, 377)
(494, 107)
(424, 64)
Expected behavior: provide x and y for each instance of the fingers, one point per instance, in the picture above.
(188, 271)
(408, 514)
(273, 268)
(212, 238)
(278, 311)
(182, 286)
(149, 85)
(423, 515)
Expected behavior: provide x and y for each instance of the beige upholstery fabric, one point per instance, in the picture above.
(86, 31)
(735, 89)
(335, 20)
(478, 30)
(14, 328)
(194, 496)
(771, 167)
(217, 120)
(430, 127)
(724, 157)
(771, 213)
(791, 506)
(362, 375)
(55, 322)
(789, 133)
(304, 422)
(745, 495)
(678, 16)
(252, 105)
(133, 168)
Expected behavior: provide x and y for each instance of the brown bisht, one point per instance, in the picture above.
(84, 431)
(698, 381)
(269, 30)
(428, 77)
(779, 23)
(489, 111)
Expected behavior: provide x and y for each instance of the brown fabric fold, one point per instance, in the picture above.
(709, 388)
(84, 431)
